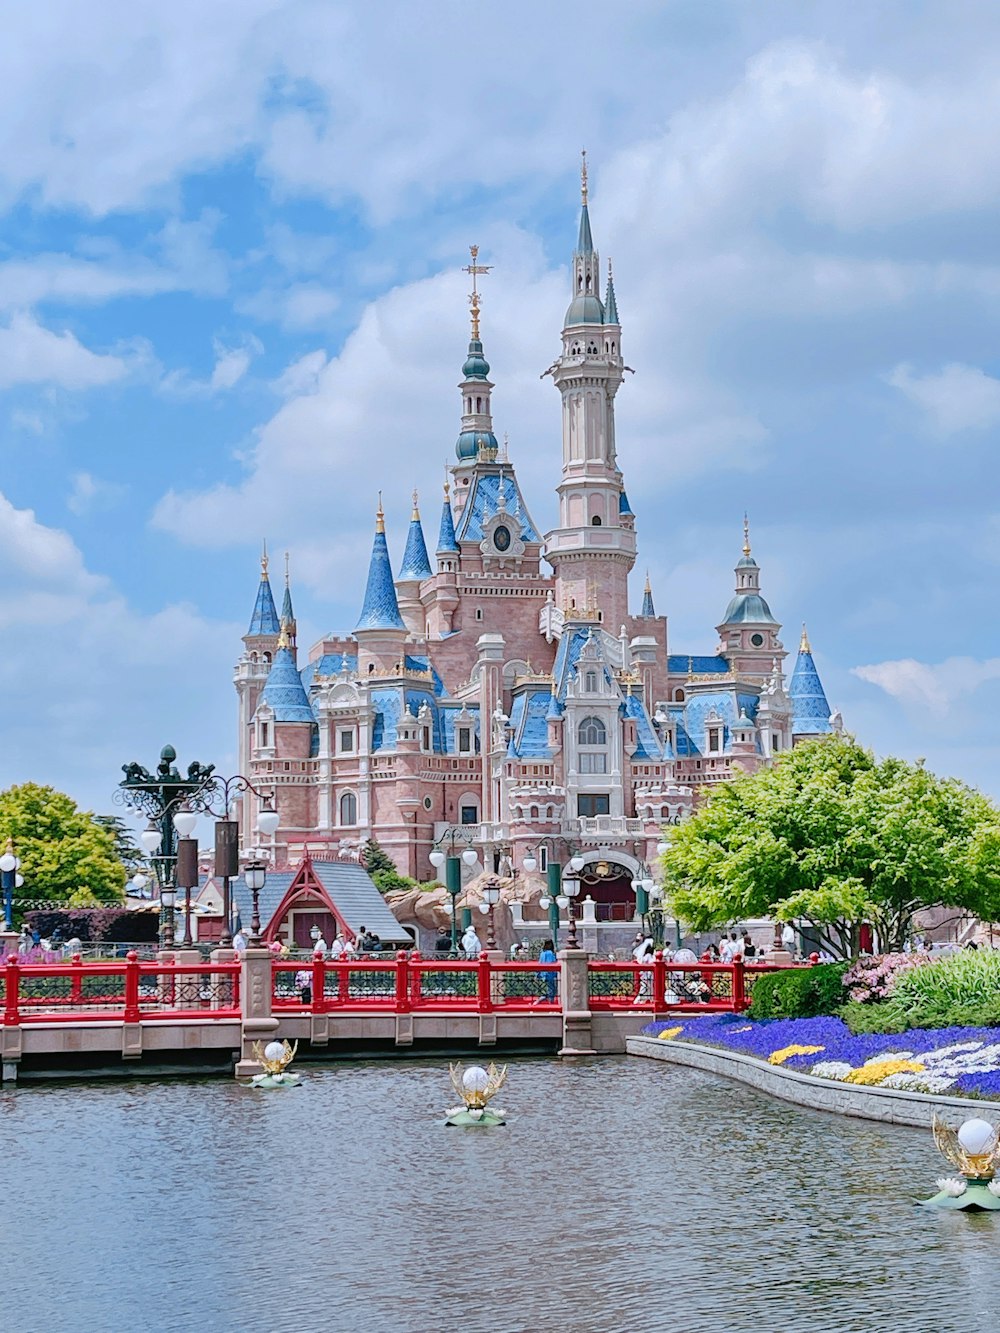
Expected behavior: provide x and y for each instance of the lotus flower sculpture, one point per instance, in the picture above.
(275, 1058)
(974, 1150)
(476, 1087)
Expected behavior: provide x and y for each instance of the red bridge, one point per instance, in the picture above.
(178, 1011)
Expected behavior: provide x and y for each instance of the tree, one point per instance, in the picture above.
(829, 836)
(127, 850)
(63, 850)
(373, 858)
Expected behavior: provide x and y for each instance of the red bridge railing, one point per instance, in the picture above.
(124, 992)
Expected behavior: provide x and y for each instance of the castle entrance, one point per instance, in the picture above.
(610, 886)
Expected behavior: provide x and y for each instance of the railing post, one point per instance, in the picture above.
(483, 983)
(76, 980)
(659, 981)
(344, 981)
(12, 980)
(131, 987)
(416, 980)
(739, 986)
(319, 983)
(256, 994)
(574, 994)
(402, 982)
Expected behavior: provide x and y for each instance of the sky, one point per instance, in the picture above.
(232, 307)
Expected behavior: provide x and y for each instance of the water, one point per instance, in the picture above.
(621, 1195)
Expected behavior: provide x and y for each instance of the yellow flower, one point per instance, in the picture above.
(872, 1074)
(786, 1053)
(668, 1033)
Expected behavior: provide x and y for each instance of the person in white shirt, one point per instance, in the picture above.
(321, 945)
(725, 950)
(337, 947)
(788, 937)
(470, 943)
(735, 945)
(240, 942)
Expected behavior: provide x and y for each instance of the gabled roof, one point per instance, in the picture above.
(691, 718)
(344, 886)
(484, 502)
(649, 746)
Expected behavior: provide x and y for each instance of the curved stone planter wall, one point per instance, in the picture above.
(821, 1094)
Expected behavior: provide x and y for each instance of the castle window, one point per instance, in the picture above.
(479, 613)
(678, 696)
(348, 809)
(591, 682)
(425, 738)
(775, 742)
(592, 732)
(595, 522)
(346, 742)
(464, 740)
(714, 739)
(267, 659)
(479, 405)
(593, 763)
(264, 731)
(469, 814)
(543, 859)
(591, 804)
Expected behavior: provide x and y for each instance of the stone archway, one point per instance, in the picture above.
(607, 877)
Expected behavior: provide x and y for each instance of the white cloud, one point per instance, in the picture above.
(937, 688)
(75, 633)
(231, 364)
(957, 398)
(31, 354)
(89, 493)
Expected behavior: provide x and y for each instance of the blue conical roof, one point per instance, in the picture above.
(284, 692)
(584, 241)
(446, 536)
(810, 710)
(415, 564)
(610, 304)
(380, 609)
(287, 614)
(647, 611)
(265, 616)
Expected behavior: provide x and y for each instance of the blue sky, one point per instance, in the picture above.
(232, 306)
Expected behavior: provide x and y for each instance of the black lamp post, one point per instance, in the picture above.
(491, 896)
(453, 871)
(256, 876)
(9, 866)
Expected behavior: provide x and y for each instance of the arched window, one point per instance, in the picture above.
(479, 405)
(678, 696)
(591, 732)
(348, 809)
(595, 522)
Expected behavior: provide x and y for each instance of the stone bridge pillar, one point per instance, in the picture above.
(573, 990)
(255, 1002)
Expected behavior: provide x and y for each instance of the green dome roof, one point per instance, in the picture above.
(470, 441)
(585, 309)
(748, 608)
(476, 366)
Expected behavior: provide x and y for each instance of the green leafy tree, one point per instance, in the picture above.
(128, 851)
(64, 853)
(831, 837)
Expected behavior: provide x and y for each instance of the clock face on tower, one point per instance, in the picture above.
(501, 538)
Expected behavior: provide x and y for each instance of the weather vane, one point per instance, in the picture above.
(475, 269)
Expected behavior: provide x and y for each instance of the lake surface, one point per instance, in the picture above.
(621, 1195)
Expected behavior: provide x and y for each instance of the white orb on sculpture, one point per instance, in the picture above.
(275, 1050)
(977, 1137)
(475, 1079)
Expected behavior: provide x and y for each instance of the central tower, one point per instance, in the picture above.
(593, 548)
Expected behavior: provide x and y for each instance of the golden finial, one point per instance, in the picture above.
(649, 586)
(583, 176)
(286, 569)
(746, 534)
(283, 636)
(415, 516)
(379, 515)
(263, 561)
(804, 641)
(474, 269)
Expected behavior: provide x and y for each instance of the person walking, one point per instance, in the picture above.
(547, 978)
(470, 943)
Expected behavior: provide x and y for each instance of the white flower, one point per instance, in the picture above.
(917, 1082)
(994, 1188)
(951, 1186)
(956, 1048)
(891, 1055)
(831, 1069)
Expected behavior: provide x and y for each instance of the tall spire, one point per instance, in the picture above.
(476, 437)
(584, 240)
(415, 564)
(380, 609)
(610, 303)
(264, 620)
(446, 533)
(746, 533)
(810, 709)
(647, 611)
(286, 602)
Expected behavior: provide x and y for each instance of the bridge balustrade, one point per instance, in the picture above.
(127, 991)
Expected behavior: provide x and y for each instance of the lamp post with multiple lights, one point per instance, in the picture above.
(453, 870)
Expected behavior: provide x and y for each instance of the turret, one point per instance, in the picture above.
(287, 613)
(749, 632)
(647, 612)
(259, 646)
(381, 631)
(593, 548)
(476, 439)
(810, 710)
(415, 568)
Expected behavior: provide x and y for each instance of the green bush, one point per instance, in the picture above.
(798, 992)
(386, 881)
(961, 990)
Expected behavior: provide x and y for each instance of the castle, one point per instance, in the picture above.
(500, 694)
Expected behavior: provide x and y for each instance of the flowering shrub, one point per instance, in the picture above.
(669, 1033)
(963, 1061)
(871, 980)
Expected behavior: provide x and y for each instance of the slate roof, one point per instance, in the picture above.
(677, 664)
(528, 717)
(284, 692)
(649, 746)
(810, 710)
(265, 615)
(484, 502)
(380, 609)
(446, 533)
(416, 564)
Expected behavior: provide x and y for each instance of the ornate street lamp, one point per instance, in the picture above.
(10, 879)
(570, 888)
(453, 871)
(255, 875)
(491, 896)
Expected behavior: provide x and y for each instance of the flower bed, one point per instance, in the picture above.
(961, 1061)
